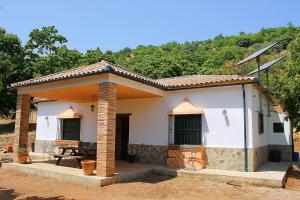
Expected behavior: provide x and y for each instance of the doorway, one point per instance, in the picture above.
(122, 136)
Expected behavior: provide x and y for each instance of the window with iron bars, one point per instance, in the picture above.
(185, 130)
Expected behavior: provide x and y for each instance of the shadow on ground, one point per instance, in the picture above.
(9, 194)
(152, 179)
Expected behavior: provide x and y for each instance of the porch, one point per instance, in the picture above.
(103, 90)
(68, 170)
(270, 174)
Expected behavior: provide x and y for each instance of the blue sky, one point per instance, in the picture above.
(115, 24)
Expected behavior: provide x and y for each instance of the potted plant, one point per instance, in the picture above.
(22, 154)
(88, 166)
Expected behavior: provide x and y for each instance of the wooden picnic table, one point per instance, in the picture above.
(74, 154)
(77, 153)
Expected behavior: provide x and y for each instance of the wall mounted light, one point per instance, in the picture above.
(92, 106)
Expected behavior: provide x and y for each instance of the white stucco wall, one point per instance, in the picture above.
(48, 125)
(149, 119)
(268, 137)
(280, 138)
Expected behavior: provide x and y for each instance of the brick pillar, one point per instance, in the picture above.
(106, 125)
(21, 123)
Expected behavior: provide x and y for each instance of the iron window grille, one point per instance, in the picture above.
(71, 129)
(185, 130)
(260, 123)
(278, 127)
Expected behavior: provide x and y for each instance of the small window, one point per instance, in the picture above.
(260, 122)
(278, 128)
(71, 129)
(187, 130)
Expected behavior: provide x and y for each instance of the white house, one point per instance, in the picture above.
(146, 116)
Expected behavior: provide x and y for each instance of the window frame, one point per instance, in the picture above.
(189, 133)
(281, 128)
(260, 122)
(78, 129)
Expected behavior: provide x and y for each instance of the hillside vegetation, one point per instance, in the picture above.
(46, 52)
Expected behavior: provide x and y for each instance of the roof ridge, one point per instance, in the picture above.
(64, 71)
(129, 70)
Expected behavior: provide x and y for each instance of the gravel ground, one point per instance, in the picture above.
(17, 185)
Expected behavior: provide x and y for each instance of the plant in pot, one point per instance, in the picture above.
(22, 154)
(88, 166)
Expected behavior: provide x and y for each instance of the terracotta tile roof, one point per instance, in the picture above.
(198, 80)
(97, 68)
(165, 83)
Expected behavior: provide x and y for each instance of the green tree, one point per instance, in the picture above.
(45, 41)
(92, 56)
(289, 93)
(46, 52)
(11, 69)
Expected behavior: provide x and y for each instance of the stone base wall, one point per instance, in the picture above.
(151, 154)
(43, 146)
(47, 146)
(225, 158)
(286, 151)
(8, 139)
(257, 157)
(218, 158)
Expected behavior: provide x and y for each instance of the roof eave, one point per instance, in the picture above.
(216, 84)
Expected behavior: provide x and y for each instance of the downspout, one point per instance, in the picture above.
(245, 129)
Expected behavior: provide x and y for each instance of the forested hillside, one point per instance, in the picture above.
(46, 52)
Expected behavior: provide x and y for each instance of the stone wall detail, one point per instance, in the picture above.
(286, 151)
(151, 154)
(8, 139)
(187, 157)
(257, 157)
(225, 158)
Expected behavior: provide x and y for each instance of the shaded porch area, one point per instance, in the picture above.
(104, 90)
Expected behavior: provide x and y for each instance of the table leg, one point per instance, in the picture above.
(79, 163)
(62, 153)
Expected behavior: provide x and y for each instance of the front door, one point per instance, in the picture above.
(122, 136)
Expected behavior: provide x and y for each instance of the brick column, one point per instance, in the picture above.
(106, 125)
(21, 123)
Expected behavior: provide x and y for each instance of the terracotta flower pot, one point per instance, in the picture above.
(88, 166)
(22, 158)
(9, 149)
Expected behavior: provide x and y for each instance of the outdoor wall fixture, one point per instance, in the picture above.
(92, 106)
(224, 112)
(47, 119)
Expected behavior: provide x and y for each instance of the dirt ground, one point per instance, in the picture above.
(17, 185)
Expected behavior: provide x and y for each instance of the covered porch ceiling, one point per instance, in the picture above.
(88, 93)
(84, 90)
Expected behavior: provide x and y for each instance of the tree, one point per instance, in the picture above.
(45, 41)
(11, 66)
(93, 56)
(289, 93)
(46, 52)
